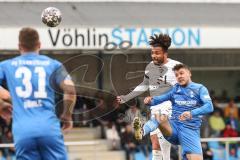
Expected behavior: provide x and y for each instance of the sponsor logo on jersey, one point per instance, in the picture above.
(179, 90)
(191, 94)
(186, 103)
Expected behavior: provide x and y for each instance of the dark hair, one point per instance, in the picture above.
(180, 66)
(28, 38)
(161, 40)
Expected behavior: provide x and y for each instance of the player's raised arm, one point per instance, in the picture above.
(207, 106)
(141, 88)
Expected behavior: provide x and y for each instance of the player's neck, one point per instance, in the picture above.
(164, 62)
(187, 84)
(29, 52)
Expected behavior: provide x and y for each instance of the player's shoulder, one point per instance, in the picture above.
(172, 62)
(8, 61)
(4, 62)
(195, 85)
(149, 65)
(44, 57)
(52, 61)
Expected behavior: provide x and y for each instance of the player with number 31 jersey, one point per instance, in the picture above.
(32, 81)
(30, 99)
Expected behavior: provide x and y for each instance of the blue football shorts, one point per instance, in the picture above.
(187, 137)
(41, 148)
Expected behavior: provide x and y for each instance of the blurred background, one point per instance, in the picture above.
(104, 46)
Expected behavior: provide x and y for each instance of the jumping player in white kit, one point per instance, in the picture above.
(158, 79)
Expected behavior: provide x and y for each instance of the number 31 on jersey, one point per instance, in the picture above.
(26, 75)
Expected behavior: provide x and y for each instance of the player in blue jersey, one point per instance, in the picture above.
(32, 80)
(189, 102)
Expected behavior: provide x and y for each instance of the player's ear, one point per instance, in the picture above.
(39, 45)
(20, 47)
(190, 74)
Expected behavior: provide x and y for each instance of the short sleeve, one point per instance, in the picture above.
(204, 95)
(59, 74)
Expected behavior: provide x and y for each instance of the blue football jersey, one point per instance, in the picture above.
(194, 97)
(30, 79)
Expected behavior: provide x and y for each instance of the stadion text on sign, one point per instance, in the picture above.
(66, 38)
(93, 38)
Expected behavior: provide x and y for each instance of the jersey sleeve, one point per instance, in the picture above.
(59, 74)
(207, 106)
(138, 90)
(165, 97)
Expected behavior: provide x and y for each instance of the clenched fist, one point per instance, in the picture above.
(148, 100)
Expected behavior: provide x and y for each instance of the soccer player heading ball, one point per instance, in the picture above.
(158, 79)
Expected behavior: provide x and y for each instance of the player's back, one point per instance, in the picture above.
(28, 78)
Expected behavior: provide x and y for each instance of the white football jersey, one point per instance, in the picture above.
(161, 78)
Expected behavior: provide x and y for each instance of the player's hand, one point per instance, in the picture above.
(185, 115)
(5, 110)
(67, 123)
(148, 100)
(119, 100)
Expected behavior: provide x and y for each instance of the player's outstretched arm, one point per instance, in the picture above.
(69, 100)
(140, 89)
(159, 99)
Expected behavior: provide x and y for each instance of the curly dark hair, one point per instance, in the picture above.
(161, 40)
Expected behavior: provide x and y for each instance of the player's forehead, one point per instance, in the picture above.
(157, 49)
(181, 70)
